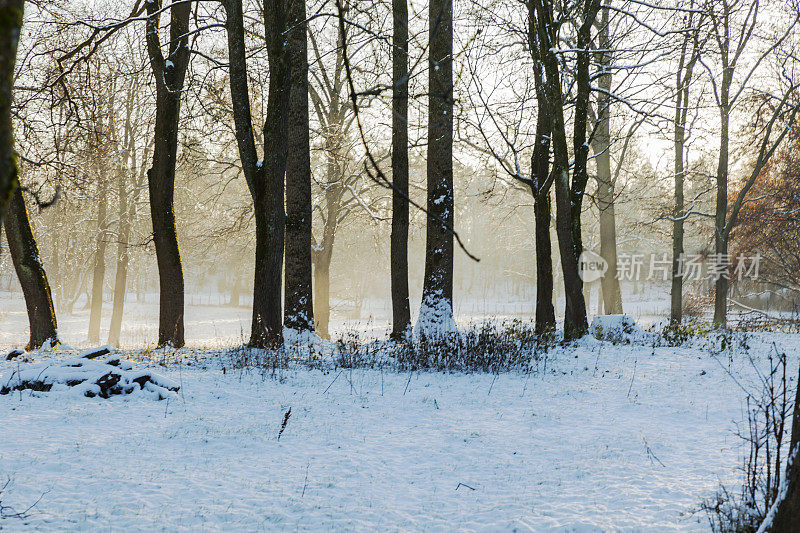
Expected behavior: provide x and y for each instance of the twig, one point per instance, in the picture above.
(632, 377)
(407, 382)
(332, 382)
(285, 421)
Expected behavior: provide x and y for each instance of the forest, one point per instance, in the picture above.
(407, 265)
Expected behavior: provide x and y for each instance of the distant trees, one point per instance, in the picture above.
(131, 175)
(768, 224)
(556, 129)
(339, 181)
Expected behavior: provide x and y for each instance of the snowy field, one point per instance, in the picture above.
(598, 438)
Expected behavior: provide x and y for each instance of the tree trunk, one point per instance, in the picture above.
(298, 304)
(126, 216)
(31, 274)
(401, 311)
(540, 170)
(612, 296)
(10, 24)
(679, 146)
(784, 515)
(545, 312)
(236, 292)
(436, 312)
(265, 180)
(322, 288)
(99, 270)
(569, 193)
(169, 75)
(120, 284)
(721, 214)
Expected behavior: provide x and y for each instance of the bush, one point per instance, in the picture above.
(767, 436)
(697, 305)
(486, 347)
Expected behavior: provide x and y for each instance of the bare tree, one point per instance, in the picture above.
(601, 146)
(169, 74)
(733, 26)
(782, 516)
(688, 56)
(127, 205)
(298, 311)
(541, 183)
(99, 268)
(265, 179)
(569, 190)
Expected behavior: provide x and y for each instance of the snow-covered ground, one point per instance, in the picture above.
(601, 437)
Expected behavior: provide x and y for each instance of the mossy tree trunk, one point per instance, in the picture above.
(169, 73)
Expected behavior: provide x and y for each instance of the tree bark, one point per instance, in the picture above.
(265, 180)
(401, 310)
(11, 12)
(169, 74)
(99, 270)
(298, 304)
(31, 274)
(540, 170)
(436, 312)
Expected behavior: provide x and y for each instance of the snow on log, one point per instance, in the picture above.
(91, 376)
(616, 329)
(13, 354)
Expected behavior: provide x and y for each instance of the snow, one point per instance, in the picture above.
(105, 376)
(435, 317)
(599, 436)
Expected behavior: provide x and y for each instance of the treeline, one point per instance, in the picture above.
(552, 96)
